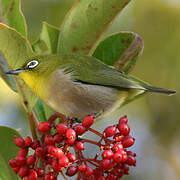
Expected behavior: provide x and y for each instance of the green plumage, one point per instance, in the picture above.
(77, 85)
(90, 70)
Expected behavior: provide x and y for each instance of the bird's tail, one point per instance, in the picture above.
(160, 90)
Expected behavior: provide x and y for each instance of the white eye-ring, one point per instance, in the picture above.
(32, 64)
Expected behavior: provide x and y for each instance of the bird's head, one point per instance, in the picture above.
(35, 65)
(36, 70)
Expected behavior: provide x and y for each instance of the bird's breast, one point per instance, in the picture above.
(76, 99)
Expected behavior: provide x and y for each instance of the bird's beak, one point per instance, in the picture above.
(15, 72)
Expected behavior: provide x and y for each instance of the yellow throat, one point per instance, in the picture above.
(36, 82)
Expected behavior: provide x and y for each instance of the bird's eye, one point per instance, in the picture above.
(32, 64)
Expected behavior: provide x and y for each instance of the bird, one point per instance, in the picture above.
(80, 85)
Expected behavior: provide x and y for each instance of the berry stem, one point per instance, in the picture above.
(63, 175)
(36, 162)
(95, 132)
(90, 159)
(100, 135)
(36, 121)
(58, 115)
(93, 163)
(32, 125)
(90, 141)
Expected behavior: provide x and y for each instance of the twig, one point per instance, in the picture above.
(58, 115)
(32, 125)
(93, 163)
(35, 118)
(96, 132)
(90, 141)
(29, 114)
(63, 175)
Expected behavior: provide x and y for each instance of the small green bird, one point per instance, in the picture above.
(78, 85)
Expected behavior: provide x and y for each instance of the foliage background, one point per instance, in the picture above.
(154, 119)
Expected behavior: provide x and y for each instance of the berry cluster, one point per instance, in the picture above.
(60, 150)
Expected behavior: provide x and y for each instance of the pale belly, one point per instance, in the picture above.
(77, 100)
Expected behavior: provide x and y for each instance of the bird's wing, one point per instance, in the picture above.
(89, 70)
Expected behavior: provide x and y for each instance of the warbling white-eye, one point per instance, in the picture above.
(78, 85)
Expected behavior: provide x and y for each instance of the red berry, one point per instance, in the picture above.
(131, 160)
(82, 167)
(20, 161)
(111, 177)
(13, 163)
(32, 175)
(118, 172)
(48, 140)
(124, 129)
(89, 171)
(26, 178)
(128, 141)
(23, 171)
(71, 171)
(70, 141)
(107, 154)
(49, 176)
(117, 147)
(98, 173)
(123, 120)
(30, 160)
(117, 157)
(88, 121)
(131, 153)
(110, 131)
(79, 129)
(58, 138)
(23, 152)
(125, 167)
(61, 128)
(71, 157)
(35, 144)
(124, 157)
(40, 172)
(49, 159)
(39, 152)
(120, 156)
(106, 164)
(44, 127)
(63, 161)
(59, 153)
(16, 169)
(55, 165)
(19, 142)
(28, 141)
(56, 152)
(101, 178)
(70, 134)
(79, 146)
(118, 137)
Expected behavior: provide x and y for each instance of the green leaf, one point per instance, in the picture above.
(120, 50)
(13, 16)
(85, 23)
(8, 79)
(43, 112)
(39, 110)
(8, 151)
(15, 49)
(48, 40)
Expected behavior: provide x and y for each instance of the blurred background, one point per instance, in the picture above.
(155, 118)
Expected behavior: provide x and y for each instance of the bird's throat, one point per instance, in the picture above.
(35, 82)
